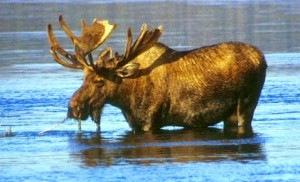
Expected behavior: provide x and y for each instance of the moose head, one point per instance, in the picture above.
(103, 76)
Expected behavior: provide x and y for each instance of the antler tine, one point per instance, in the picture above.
(129, 42)
(92, 36)
(55, 47)
(62, 62)
(66, 29)
(81, 57)
(144, 41)
(76, 42)
(140, 38)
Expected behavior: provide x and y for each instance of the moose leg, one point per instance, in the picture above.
(240, 121)
(138, 125)
(242, 114)
(245, 112)
(79, 126)
(131, 121)
(231, 121)
(98, 129)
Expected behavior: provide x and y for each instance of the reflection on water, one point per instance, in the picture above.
(34, 92)
(182, 146)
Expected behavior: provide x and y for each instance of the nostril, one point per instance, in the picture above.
(72, 112)
(77, 112)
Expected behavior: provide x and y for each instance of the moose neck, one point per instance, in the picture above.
(154, 65)
(128, 90)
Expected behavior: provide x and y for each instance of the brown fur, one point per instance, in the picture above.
(196, 88)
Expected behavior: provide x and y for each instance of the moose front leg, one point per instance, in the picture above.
(98, 129)
(141, 124)
(79, 126)
(96, 117)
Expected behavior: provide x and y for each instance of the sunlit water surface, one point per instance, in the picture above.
(34, 92)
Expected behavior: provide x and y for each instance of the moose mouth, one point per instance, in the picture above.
(82, 113)
(78, 113)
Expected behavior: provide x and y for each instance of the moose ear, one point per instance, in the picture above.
(127, 70)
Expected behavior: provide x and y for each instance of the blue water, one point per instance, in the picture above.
(34, 91)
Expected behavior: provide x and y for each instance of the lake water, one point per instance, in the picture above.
(34, 91)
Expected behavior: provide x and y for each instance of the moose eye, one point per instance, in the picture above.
(100, 83)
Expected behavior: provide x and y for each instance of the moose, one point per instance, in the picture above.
(155, 85)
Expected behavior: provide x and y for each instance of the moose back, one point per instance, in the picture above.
(156, 86)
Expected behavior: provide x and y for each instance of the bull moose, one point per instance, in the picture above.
(156, 86)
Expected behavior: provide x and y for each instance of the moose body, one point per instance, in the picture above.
(161, 87)
(195, 88)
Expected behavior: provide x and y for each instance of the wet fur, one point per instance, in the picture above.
(196, 88)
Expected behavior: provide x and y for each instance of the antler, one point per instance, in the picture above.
(91, 37)
(145, 40)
